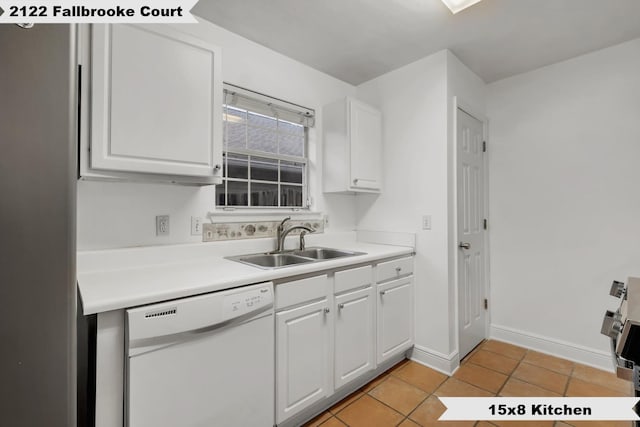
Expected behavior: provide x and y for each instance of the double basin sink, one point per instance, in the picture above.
(294, 257)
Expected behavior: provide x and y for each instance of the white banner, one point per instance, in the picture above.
(97, 11)
(539, 408)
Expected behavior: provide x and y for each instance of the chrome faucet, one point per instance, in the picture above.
(281, 233)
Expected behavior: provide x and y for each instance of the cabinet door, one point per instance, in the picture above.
(366, 146)
(302, 358)
(354, 335)
(156, 102)
(395, 318)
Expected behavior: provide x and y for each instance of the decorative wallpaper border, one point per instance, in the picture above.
(213, 232)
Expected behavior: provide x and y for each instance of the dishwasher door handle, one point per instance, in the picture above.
(169, 321)
(135, 347)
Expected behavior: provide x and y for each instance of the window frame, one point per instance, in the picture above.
(304, 161)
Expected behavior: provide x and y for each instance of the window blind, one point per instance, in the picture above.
(236, 96)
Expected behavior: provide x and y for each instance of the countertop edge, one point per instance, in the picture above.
(111, 290)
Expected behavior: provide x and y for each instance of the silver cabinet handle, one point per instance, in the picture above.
(340, 306)
(464, 245)
(327, 310)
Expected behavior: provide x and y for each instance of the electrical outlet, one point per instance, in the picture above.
(196, 226)
(426, 222)
(162, 225)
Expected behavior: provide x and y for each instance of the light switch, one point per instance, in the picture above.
(426, 222)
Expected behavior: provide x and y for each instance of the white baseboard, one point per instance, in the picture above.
(447, 364)
(577, 353)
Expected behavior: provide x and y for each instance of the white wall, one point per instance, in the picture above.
(415, 101)
(417, 105)
(565, 207)
(123, 214)
(414, 116)
(464, 89)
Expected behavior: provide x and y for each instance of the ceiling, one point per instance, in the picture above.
(357, 40)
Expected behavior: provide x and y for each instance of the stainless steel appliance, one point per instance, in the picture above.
(37, 225)
(623, 327)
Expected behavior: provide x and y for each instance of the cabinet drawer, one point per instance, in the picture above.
(352, 279)
(299, 291)
(394, 269)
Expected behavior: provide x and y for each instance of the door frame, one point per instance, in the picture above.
(458, 103)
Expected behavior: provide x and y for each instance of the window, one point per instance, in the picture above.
(265, 152)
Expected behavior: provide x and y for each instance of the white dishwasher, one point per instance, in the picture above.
(202, 361)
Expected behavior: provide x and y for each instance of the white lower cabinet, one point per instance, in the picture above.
(327, 334)
(395, 317)
(354, 335)
(302, 366)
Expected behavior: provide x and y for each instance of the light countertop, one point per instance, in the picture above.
(121, 278)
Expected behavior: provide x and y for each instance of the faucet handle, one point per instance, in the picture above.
(302, 244)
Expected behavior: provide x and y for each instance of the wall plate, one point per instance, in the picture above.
(426, 222)
(162, 225)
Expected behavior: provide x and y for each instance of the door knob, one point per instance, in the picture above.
(464, 245)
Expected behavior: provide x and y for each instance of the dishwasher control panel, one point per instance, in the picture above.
(198, 313)
(243, 302)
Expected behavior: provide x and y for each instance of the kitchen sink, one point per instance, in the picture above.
(324, 253)
(272, 260)
(295, 257)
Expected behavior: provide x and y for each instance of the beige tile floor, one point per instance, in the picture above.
(407, 394)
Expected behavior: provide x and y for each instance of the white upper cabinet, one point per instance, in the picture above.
(365, 126)
(352, 147)
(156, 103)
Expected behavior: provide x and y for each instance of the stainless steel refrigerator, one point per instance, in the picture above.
(37, 226)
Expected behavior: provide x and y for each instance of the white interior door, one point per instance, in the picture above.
(471, 247)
